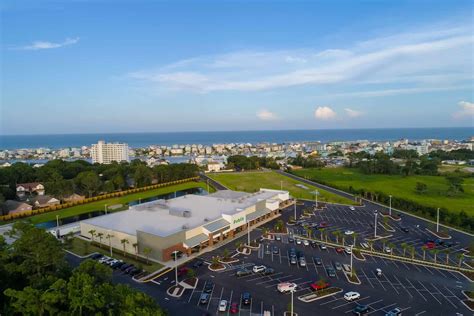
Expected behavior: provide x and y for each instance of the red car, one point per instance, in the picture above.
(339, 250)
(323, 224)
(430, 245)
(182, 271)
(319, 285)
(234, 308)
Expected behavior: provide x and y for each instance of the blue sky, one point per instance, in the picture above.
(137, 66)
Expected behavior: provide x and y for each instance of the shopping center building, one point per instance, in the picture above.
(186, 224)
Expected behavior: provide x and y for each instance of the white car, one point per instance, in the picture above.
(387, 249)
(349, 232)
(378, 272)
(286, 287)
(302, 262)
(350, 296)
(298, 241)
(348, 250)
(113, 261)
(257, 269)
(352, 208)
(104, 259)
(278, 238)
(305, 242)
(222, 306)
(323, 247)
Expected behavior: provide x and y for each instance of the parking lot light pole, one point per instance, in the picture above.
(352, 247)
(248, 233)
(292, 291)
(295, 209)
(175, 266)
(390, 207)
(105, 209)
(437, 221)
(375, 226)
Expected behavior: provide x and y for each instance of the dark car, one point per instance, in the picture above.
(291, 240)
(439, 242)
(293, 260)
(394, 312)
(118, 265)
(129, 269)
(96, 256)
(126, 266)
(268, 271)
(404, 229)
(361, 310)
(275, 250)
(242, 272)
(204, 299)
(208, 287)
(317, 261)
(198, 263)
(331, 272)
(135, 271)
(246, 298)
(314, 244)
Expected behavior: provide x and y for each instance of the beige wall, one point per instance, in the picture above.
(115, 240)
(157, 243)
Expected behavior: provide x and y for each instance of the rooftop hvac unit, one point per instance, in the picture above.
(206, 219)
(184, 227)
(179, 212)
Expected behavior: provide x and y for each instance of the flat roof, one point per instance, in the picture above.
(167, 217)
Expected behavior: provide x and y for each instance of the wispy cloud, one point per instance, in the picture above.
(415, 57)
(353, 113)
(466, 111)
(266, 115)
(38, 45)
(324, 113)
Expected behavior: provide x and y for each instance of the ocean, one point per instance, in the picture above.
(205, 138)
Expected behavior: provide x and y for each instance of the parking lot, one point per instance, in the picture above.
(415, 289)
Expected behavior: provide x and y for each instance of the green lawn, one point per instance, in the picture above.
(253, 181)
(99, 205)
(83, 248)
(397, 186)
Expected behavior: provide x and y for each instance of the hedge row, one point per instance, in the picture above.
(91, 199)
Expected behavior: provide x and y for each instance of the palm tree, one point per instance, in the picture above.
(92, 233)
(109, 237)
(435, 253)
(412, 250)
(100, 236)
(424, 248)
(460, 257)
(265, 231)
(225, 254)
(291, 219)
(147, 252)
(135, 247)
(446, 252)
(124, 242)
(321, 230)
(392, 248)
(336, 233)
(215, 260)
(404, 247)
(354, 237)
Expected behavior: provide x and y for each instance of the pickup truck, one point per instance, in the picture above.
(286, 287)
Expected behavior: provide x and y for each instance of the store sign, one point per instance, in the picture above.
(238, 220)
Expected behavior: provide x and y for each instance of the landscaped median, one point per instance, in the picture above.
(469, 301)
(317, 295)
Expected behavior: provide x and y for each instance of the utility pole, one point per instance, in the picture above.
(375, 226)
(295, 209)
(105, 209)
(390, 208)
(248, 233)
(437, 221)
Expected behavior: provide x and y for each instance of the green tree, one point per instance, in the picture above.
(421, 188)
(84, 295)
(226, 254)
(88, 182)
(404, 246)
(92, 233)
(99, 272)
(100, 236)
(147, 252)
(142, 176)
(424, 248)
(135, 247)
(124, 243)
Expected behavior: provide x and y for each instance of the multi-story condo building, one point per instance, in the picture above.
(105, 153)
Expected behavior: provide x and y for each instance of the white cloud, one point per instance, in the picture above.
(266, 115)
(324, 113)
(415, 57)
(353, 113)
(37, 45)
(467, 110)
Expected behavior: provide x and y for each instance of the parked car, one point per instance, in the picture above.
(348, 250)
(106, 260)
(349, 232)
(278, 237)
(338, 266)
(317, 261)
(135, 271)
(439, 242)
(242, 272)
(234, 308)
(322, 246)
(361, 310)
(306, 242)
(346, 267)
(394, 312)
(323, 224)
(129, 269)
(257, 269)
(430, 245)
(378, 272)
(208, 287)
(298, 241)
(319, 285)
(117, 265)
(314, 244)
(182, 271)
(111, 262)
(268, 271)
(96, 256)
(291, 240)
(222, 306)
(351, 296)
(246, 298)
(293, 260)
(387, 249)
(204, 298)
(404, 229)
(302, 262)
(198, 263)
(275, 250)
(331, 272)
(286, 287)
(339, 250)
(125, 266)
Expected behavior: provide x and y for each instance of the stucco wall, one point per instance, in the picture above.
(115, 240)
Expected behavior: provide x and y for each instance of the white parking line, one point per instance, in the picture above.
(429, 292)
(416, 290)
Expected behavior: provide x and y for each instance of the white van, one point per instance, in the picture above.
(286, 287)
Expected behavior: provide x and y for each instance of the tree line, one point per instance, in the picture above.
(241, 163)
(35, 279)
(62, 178)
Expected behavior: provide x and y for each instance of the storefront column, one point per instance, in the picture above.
(211, 239)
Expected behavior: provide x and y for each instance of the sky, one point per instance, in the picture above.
(85, 66)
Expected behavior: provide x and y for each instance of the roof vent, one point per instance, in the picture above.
(184, 227)
(206, 219)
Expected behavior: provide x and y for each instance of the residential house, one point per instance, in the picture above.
(74, 198)
(12, 207)
(43, 201)
(24, 189)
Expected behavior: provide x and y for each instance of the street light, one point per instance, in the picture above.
(109, 236)
(352, 246)
(437, 221)
(295, 209)
(375, 226)
(248, 233)
(281, 185)
(105, 209)
(292, 291)
(316, 193)
(390, 208)
(175, 266)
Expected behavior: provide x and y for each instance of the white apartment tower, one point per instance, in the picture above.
(105, 153)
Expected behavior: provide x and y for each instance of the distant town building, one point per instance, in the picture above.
(213, 166)
(105, 153)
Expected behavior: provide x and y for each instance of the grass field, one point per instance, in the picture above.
(397, 186)
(253, 181)
(83, 248)
(99, 205)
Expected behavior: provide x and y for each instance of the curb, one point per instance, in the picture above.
(319, 297)
(348, 280)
